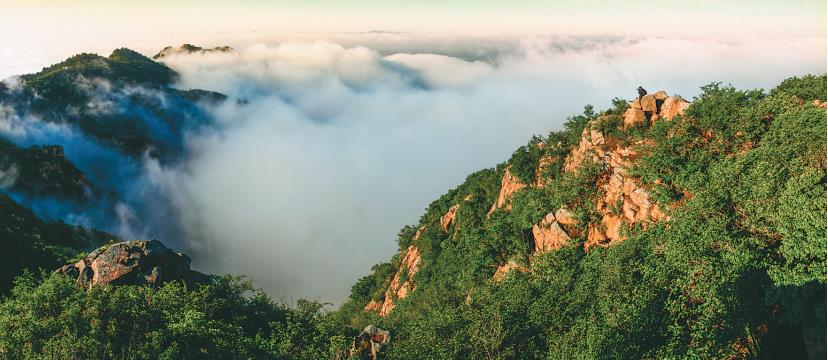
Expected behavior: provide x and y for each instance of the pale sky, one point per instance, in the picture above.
(36, 33)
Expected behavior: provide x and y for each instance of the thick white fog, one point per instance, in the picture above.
(325, 151)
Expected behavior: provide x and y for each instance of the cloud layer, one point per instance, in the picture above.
(324, 151)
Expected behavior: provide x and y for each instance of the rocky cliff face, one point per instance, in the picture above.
(448, 218)
(402, 284)
(138, 262)
(622, 201)
(508, 186)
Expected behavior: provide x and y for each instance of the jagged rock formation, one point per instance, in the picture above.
(622, 201)
(402, 284)
(189, 49)
(448, 218)
(137, 262)
(653, 107)
(549, 234)
(508, 186)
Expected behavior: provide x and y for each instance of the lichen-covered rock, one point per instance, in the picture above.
(138, 262)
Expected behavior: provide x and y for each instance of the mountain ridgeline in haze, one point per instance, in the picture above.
(658, 228)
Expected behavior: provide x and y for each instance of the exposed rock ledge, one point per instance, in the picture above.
(402, 284)
(508, 186)
(138, 262)
(621, 203)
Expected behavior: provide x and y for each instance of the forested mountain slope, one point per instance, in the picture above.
(650, 230)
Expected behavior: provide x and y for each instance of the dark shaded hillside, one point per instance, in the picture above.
(30, 243)
(44, 171)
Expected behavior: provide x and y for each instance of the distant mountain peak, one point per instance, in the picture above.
(189, 49)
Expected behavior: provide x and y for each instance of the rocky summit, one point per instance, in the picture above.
(137, 262)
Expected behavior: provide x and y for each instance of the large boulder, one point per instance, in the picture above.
(138, 262)
(673, 106)
(661, 95)
(634, 116)
(649, 103)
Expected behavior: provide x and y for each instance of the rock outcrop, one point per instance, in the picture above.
(549, 235)
(508, 186)
(138, 262)
(402, 284)
(447, 219)
(622, 202)
(652, 107)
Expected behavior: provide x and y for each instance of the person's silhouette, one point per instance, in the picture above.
(641, 92)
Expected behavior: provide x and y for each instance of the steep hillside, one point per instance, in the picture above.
(658, 228)
(30, 243)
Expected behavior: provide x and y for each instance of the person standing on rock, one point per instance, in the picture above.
(641, 92)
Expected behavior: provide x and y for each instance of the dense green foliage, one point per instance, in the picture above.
(226, 319)
(739, 270)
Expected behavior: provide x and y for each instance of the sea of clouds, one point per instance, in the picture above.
(325, 149)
